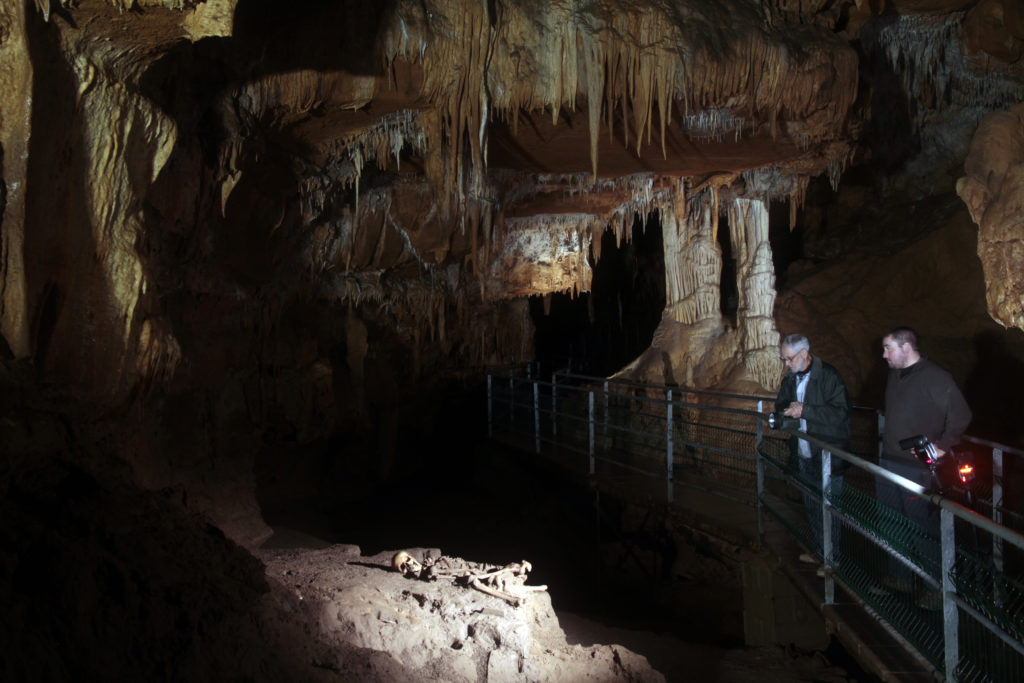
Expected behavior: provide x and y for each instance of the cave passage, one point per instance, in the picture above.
(602, 330)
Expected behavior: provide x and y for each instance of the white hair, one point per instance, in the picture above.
(797, 342)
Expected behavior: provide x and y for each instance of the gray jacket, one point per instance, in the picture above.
(826, 403)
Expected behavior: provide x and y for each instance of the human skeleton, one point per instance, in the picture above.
(505, 582)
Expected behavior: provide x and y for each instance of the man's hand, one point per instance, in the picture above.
(937, 452)
(795, 409)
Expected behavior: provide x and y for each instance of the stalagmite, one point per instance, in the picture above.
(693, 261)
(748, 227)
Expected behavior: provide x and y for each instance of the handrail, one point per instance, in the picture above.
(681, 389)
(939, 500)
(562, 373)
(992, 444)
(661, 401)
(756, 397)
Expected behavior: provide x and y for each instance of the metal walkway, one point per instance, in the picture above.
(938, 598)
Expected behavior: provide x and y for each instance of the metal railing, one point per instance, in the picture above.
(950, 591)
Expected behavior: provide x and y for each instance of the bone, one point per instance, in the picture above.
(516, 569)
(505, 582)
(513, 600)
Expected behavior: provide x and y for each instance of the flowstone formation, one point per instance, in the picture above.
(993, 189)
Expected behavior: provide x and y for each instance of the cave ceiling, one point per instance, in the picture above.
(385, 150)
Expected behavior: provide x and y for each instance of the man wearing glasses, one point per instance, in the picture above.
(813, 399)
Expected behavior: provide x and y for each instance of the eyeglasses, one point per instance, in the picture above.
(790, 359)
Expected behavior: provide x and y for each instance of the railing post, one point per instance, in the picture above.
(997, 516)
(591, 419)
(760, 469)
(605, 428)
(536, 415)
(554, 405)
(826, 525)
(950, 616)
(668, 448)
(490, 408)
(511, 398)
(881, 430)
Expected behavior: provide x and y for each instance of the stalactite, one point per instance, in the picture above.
(593, 69)
(712, 124)
(441, 323)
(775, 184)
(714, 214)
(797, 198)
(926, 51)
(542, 254)
(624, 62)
(836, 166)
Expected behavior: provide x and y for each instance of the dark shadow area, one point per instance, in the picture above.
(729, 297)
(271, 37)
(889, 132)
(994, 390)
(787, 245)
(497, 505)
(324, 35)
(604, 329)
(872, 393)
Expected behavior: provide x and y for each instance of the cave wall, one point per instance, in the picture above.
(993, 190)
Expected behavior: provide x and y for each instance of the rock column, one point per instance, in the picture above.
(693, 261)
(759, 340)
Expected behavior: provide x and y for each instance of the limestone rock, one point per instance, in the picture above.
(993, 190)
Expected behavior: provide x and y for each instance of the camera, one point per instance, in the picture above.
(948, 474)
(922, 447)
(780, 421)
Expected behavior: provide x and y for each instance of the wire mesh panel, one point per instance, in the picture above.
(891, 562)
(991, 615)
(633, 431)
(984, 657)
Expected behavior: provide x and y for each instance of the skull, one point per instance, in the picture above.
(406, 564)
